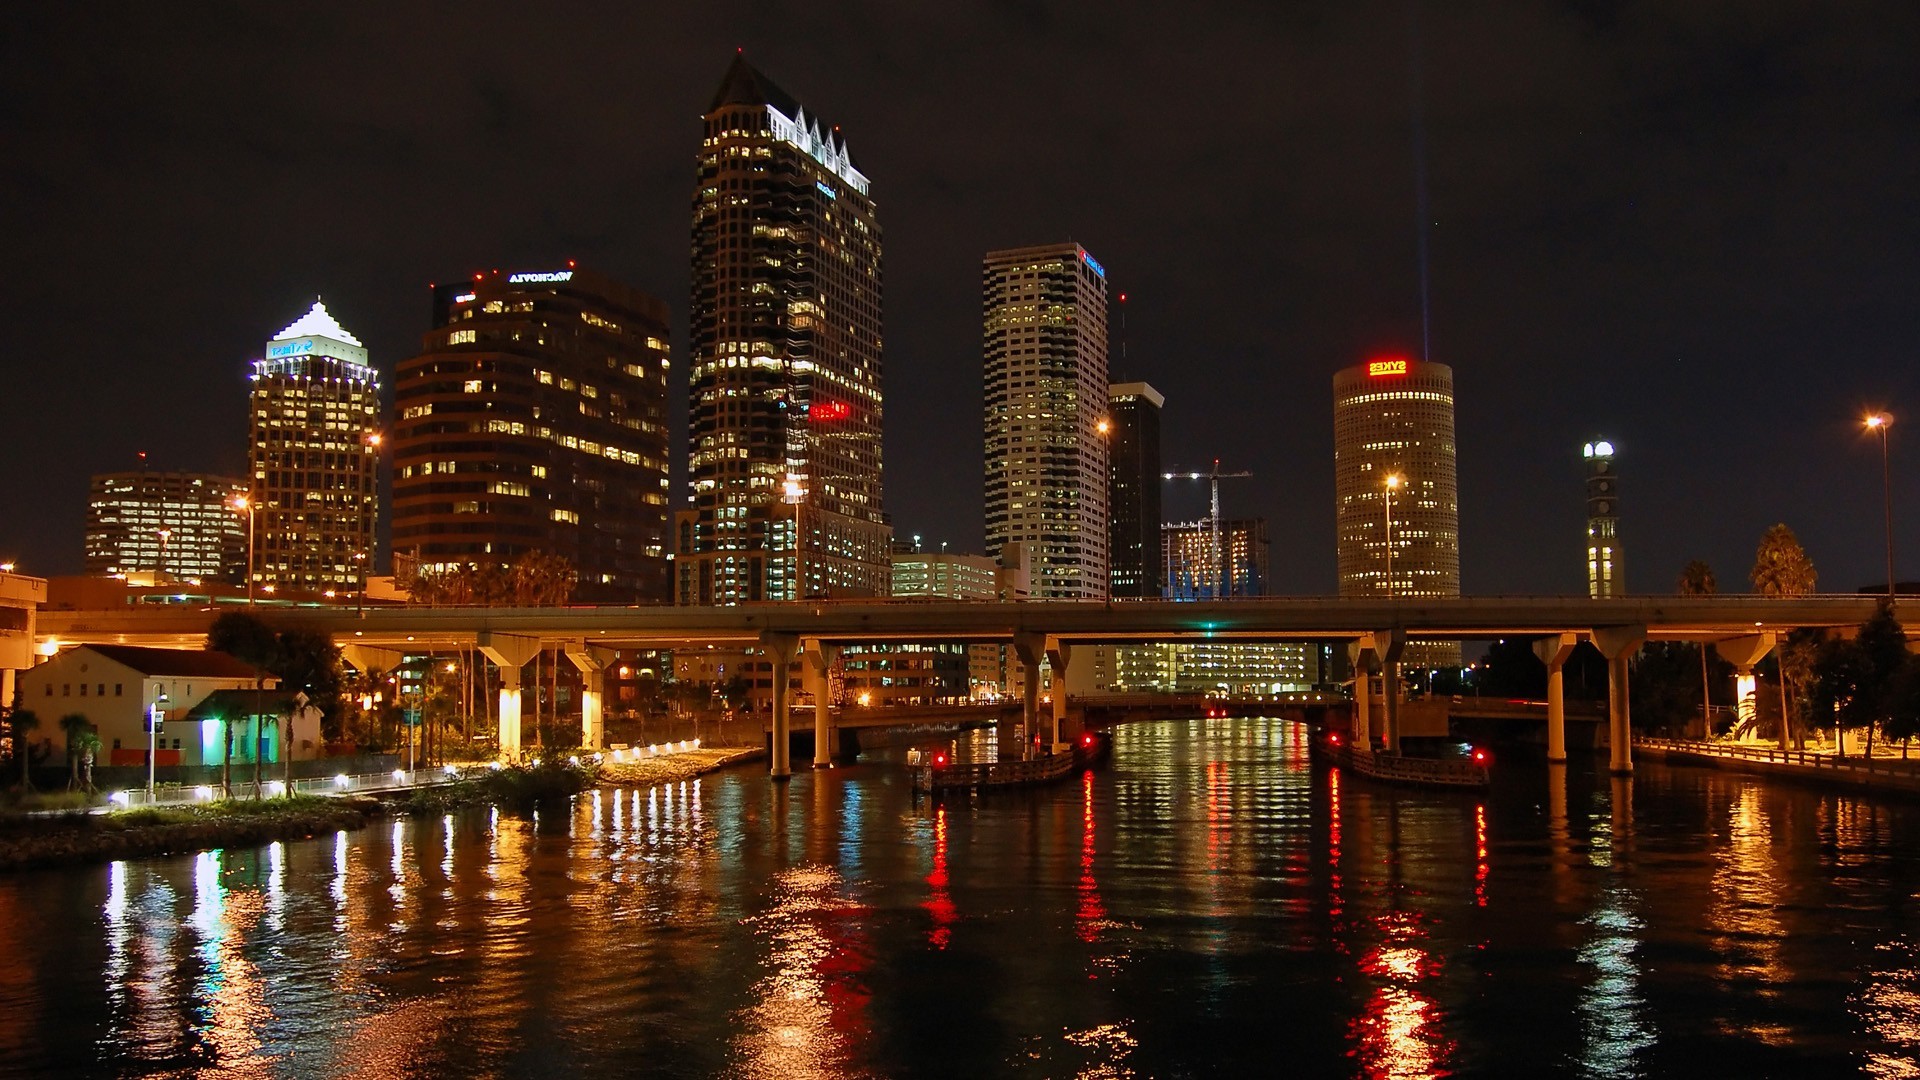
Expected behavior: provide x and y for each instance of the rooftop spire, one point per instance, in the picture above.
(317, 322)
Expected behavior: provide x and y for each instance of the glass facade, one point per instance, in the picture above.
(174, 526)
(1133, 489)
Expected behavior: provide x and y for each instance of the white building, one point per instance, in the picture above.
(1045, 345)
(116, 686)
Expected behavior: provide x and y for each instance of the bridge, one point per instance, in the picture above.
(1743, 629)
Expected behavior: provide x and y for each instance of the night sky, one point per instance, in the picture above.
(1693, 228)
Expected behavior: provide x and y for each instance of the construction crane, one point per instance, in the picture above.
(1213, 477)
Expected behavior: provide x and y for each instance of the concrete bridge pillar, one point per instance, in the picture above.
(592, 663)
(1030, 648)
(1360, 653)
(1743, 653)
(510, 653)
(780, 649)
(818, 660)
(1618, 644)
(1553, 652)
(1388, 645)
(1059, 654)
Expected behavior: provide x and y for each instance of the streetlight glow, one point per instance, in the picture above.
(1879, 423)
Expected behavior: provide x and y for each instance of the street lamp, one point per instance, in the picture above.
(794, 493)
(1393, 484)
(154, 715)
(241, 502)
(1878, 423)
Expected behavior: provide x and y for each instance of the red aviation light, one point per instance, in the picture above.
(1479, 756)
(1387, 367)
(940, 760)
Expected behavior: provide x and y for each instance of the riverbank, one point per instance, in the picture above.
(89, 838)
(68, 839)
(1881, 775)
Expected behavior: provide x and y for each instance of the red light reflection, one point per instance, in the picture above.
(939, 902)
(1092, 913)
(1398, 1033)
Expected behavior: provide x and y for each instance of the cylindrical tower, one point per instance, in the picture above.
(1393, 417)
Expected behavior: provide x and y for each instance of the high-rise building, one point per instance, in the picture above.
(786, 360)
(1393, 469)
(1133, 489)
(534, 419)
(1045, 344)
(172, 526)
(1606, 571)
(313, 458)
(1193, 568)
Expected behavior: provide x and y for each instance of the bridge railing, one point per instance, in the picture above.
(1898, 769)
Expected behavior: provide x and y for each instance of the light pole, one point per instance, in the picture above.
(794, 493)
(154, 714)
(242, 502)
(1393, 484)
(1879, 423)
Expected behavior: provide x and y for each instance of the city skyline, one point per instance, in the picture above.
(1712, 319)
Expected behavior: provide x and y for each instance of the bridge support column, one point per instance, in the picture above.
(1387, 645)
(1743, 653)
(779, 649)
(592, 663)
(1361, 654)
(1059, 654)
(1618, 644)
(817, 662)
(1553, 652)
(510, 653)
(1029, 648)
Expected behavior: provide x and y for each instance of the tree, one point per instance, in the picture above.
(1903, 704)
(1864, 682)
(88, 749)
(1781, 566)
(1696, 579)
(19, 723)
(74, 725)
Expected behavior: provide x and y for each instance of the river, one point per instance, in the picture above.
(1206, 904)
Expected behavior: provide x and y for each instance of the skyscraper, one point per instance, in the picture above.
(1045, 344)
(1193, 567)
(174, 526)
(785, 383)
(313, 458)
(1606, 572)
(534, 419)
(1133, 489)
(1393, 457)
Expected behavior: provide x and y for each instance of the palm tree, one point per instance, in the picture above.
(88, 748)
(74, 725)
(1696, 579)
(19, 723)
(1781, 567)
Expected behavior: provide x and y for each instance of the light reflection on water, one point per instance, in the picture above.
(1173, 913)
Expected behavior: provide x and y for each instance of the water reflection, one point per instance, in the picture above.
(1211, 903)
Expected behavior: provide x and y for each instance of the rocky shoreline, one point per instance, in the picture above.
(68, 840)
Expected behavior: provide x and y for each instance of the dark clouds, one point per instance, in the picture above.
(1690, 227)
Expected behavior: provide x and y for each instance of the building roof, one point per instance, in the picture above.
(745, 85)
(244, 703)
(317, 322)
(184, 663)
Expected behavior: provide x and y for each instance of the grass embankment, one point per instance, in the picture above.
(167, 830)
(515, 787)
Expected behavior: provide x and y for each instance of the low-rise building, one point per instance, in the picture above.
(118, 687)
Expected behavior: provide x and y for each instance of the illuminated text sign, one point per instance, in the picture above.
(279, 349)
(1378, 368)
(1095, 263)
(557, 275)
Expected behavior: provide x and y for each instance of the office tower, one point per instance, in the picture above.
(1133, 489)
(1045, 344)
(1606, 574)
(1393, 458)
(1193, 568)
(166, 526)
(534, 419)
(785, 384)
(313, 458)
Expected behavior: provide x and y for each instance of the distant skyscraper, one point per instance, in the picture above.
(1045, 342)
(1133, 489)
(1606, 572)
(175, 526)
(786, 360)
(1393, 417)
(313, 457)
(534, 419)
